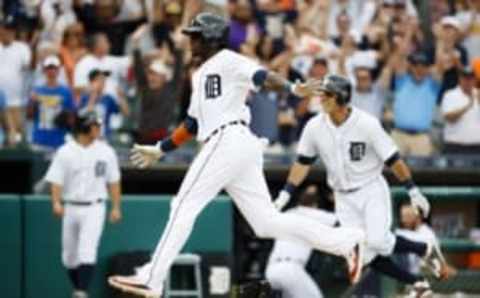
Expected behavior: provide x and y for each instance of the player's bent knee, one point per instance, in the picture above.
(377, 243)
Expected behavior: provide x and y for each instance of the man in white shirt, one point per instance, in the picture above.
(82, 173)
(285, 269)
(367, 95)
(461, 111)
(99, 58)
(15, 59)
(231, 158)
(354, 148)
(413, 227)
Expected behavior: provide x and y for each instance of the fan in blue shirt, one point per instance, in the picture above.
(96, 100)
(51, 106)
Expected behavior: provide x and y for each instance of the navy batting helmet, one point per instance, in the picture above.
(211, 27)
(339, 86)
(84, 120)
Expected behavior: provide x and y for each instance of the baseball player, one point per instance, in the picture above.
(230, 159)
(354, 149)
(82, 173)
(286, 265)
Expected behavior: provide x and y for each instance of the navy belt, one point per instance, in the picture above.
(222, 127)
(348, 191)
(83, 203)
(412, 131)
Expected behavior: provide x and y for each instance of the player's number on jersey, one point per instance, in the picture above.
(213, 86)
(357, 150)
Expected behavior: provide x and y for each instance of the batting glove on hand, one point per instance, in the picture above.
(143, 156)
(282, 200)
(418, 200)
(306, 89)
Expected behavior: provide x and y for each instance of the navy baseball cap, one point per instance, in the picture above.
(96, 72)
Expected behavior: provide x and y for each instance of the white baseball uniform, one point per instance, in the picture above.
(83, 173)
(286, 265)
(354, 154)
(231, 159)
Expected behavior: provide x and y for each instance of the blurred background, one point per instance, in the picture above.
(414, 64)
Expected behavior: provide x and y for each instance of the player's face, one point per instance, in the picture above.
(197, 46)
(408, 217)
(95, 131)
(328, 101)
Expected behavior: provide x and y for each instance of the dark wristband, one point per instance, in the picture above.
(290, 188)
(167, 145)
(409, 184)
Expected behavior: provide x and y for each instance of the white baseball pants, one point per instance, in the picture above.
(82, 228)
(369, 208)
(292, 280)
(232, 160)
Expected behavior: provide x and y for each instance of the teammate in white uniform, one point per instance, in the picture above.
(230, 159)
(80, 173)
(286, 265)
(354, 149)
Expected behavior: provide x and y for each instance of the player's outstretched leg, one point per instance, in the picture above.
(205, 178)
(250, 193)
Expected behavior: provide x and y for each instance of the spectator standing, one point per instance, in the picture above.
(159, 87)
(461, 111)
(470, 21)
(449, 52)
(367, 94)
(72, 49)
(15, 60)
(99, 58)
(51, 107)
(103, 104)
(416, 89)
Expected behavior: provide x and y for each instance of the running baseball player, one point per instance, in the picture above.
(81, 172)
(286, 265)
(230, 159)
(354, 148)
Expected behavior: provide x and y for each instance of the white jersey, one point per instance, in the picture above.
(465, 130)
(220, 89)
(84, 172)
(286, 250)
(353, 153)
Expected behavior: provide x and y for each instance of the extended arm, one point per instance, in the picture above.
(403, 174)
(296, 176)
(273, 81)
(145, 155)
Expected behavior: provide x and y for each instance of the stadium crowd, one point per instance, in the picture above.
(414, 64)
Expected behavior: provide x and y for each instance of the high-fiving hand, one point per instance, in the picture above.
(143, 156)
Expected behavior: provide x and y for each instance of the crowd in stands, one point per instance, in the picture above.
(415, 65)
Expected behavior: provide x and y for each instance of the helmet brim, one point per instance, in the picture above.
(191, 30)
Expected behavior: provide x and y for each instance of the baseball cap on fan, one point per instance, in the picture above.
(452, 22)
(51, 61)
